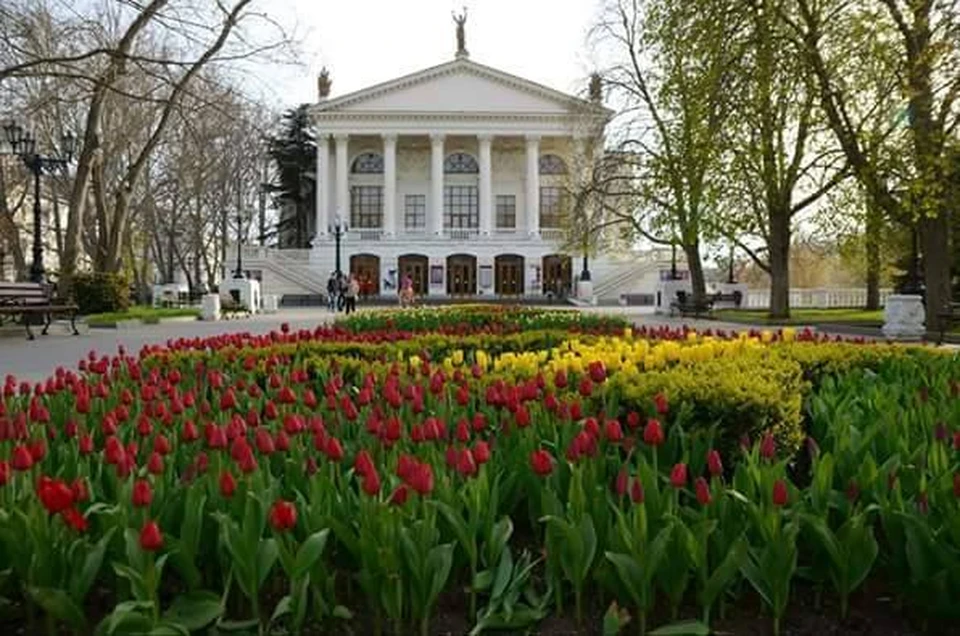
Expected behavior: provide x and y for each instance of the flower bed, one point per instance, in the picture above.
(362, 480)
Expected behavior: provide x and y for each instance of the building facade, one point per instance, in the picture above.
(458, 177)
(455, 176)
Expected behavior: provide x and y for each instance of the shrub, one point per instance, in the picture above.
(755, 391)
(100, 293)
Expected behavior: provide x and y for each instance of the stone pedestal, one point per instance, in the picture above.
(244, 291)
(585, 291)
(210, 308)
(270, 304)
(903, 317)
(667, 293)
(730, 288)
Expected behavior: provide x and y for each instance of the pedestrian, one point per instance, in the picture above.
(351, 293)
(332, 289)
(406, 292)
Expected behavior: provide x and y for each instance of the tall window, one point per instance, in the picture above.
(506, 211)
(461, 209)
(551, 207)
(366, 206)
(415, 211)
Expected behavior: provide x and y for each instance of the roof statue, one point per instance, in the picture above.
(596, 88)
(461, 20)
(323, 83)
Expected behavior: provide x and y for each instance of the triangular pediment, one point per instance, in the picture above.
(460, 86)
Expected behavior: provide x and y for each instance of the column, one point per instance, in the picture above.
(486, 186)
(533, 185)
(343, 193)
(436, 184)
(320, 215)
(389, 185)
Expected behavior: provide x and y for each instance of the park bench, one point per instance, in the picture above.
(686, 305)
(948, 317)
(734, 297)
(32, 300)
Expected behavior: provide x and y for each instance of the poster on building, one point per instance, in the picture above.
(436, 274)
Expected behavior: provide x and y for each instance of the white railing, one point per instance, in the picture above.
(463, 234)
(816, 298)
(370, 234)
(505, 231)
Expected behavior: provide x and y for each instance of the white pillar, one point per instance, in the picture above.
(486, 185)
(436, 184)
(321, 215)
(389, 185)
(343, 192)
(533, 184)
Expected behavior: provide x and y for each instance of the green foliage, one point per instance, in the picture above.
(99, 292)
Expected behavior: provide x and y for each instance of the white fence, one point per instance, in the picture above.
(816, 298)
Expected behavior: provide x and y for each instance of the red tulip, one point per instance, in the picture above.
(636, 491)
(598, 372)
(586, 387)
(560, 379)
(661, 404)
(542, 462)
(333, 449)
(653, 433)
(363, 464)
(768, 447)
(228, 485)
(613, 431)
(853, 491)
(714, 465)
(633, 420)
(283, 515)
(4, 472)
(466, 465)
(22, 459)
(780, 494)
(142, 493)
(481, 452)
(371, 483)
(463, 431)
(703, 491)
(400, 495)
(522, 416)
(620, 482)
(678, 476)
(151, 539)
(161, 444)
(264, 441)
(956, 485)
(55, 495)
(73, 518)
(85, 443)
(421, 479)
(155, 464)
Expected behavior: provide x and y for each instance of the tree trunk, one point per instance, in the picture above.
(872, 244)
(695, 267)
(779, 244)
(935, 242)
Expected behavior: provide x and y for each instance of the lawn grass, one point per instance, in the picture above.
(146, 314)
(848, 316)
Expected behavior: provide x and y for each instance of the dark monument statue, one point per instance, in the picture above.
(461, 36)
(323, 83)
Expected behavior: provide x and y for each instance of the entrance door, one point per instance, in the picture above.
(414, 266)
(462, 275)
(366, 267)
(508, 273)
(556, 274)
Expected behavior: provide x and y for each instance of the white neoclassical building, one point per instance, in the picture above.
(456, 177)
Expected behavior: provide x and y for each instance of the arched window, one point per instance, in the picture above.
(552, 164)
(460, 163)
(368, 163)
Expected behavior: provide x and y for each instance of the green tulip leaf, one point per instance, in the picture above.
(309, 553)
(59, 605)
(686, 628)
(195, 610)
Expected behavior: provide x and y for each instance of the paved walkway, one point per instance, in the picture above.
(38, 359)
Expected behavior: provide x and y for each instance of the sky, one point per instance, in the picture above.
(364, 42)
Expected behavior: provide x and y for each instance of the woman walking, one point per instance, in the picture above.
(350, 297)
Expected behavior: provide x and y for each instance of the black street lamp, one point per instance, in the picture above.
(24, 145)
(338, 229)
(730, 277)
(238, 273)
